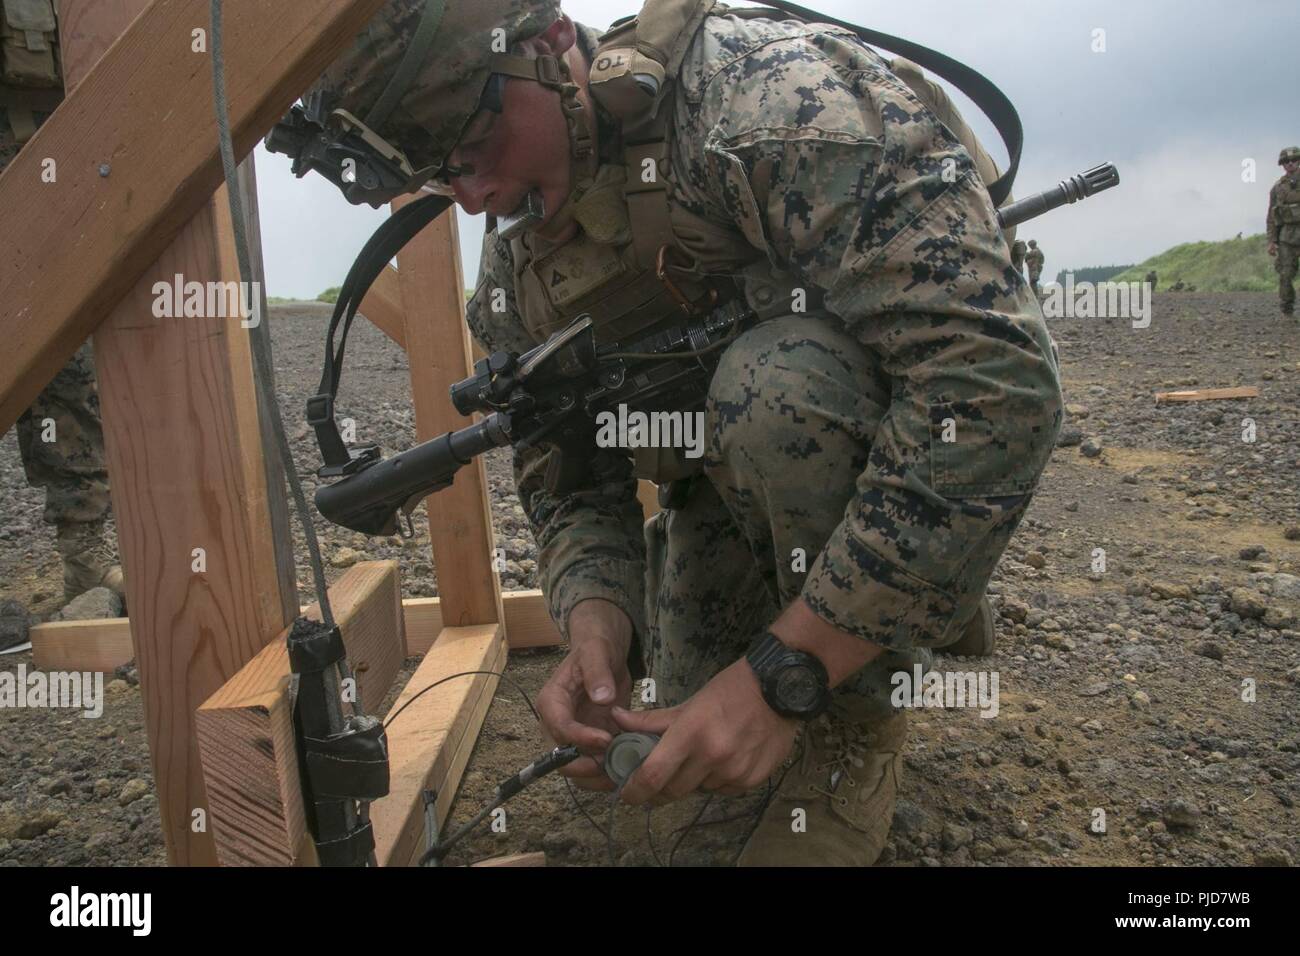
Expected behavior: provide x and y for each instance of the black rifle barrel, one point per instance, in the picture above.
(1078, 187)
(369, 501)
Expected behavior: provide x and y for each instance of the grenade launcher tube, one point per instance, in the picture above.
(370, 500)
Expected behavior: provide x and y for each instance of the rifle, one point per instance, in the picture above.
(553, 394)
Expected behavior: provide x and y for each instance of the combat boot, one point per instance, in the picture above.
(87, 559)
(978, 636)
(846, 782)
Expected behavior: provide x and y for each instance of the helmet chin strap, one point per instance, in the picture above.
(553, 73)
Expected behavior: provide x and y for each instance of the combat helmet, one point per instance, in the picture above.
(396, 102)
(1289, 155)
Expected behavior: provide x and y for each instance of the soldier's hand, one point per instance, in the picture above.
(725, 740)
(1272, 248)
(576, 703)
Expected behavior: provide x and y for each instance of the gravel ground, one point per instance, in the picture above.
(1120, 689)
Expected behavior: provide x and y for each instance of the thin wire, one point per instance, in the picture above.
(260, 337)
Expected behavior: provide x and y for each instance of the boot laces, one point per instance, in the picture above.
(843, 745)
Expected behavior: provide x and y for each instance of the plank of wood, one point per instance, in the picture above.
(528, 622)
(1208, 394)
(71, 249)
(105, 645)
(429, 742)
(383, 306)
(438, 351)
(245, 729)
(515, 859)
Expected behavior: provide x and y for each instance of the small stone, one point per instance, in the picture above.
(1272, 856)
(1211, 650)
(1035, 704)
(1072, 506)
(15, 624)
(1019, 829)
(1140, 700)
(101, 838)
(133, 791)
(1247, 603)
(1166, 591)
(1252, 552)
(58, 785)
(1181, 814)
(1292, 533)
(954, 837)
(1077, 411)
(1036, 559)
(345, 557)
(1091, 447)
(95, 604)
(117, 687)
(1069, 436)
(103, 788)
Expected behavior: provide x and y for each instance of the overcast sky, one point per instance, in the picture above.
(1185, 92)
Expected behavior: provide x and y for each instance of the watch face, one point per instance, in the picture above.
(797, 687)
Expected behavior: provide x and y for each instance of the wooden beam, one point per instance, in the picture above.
(1208, 394)
(245, 729)
(430, 741)
(528, 622)
(105, 645)
(515, 859)
(438, 349)
(383, 306)
(72, 248)
(102, 645)
(197, 528)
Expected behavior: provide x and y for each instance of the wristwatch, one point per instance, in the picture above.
(794, 684)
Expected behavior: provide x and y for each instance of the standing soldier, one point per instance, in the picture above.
(872, 443)
(60, 436)
(1284, 226)
(1034, 259)
(1151, 279)
(1018, 252)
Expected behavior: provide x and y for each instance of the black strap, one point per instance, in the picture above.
(379, 250)
(978, 87)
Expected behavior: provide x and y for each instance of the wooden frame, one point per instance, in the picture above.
(200, 511)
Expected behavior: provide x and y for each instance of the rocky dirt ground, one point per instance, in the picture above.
(1159, 690)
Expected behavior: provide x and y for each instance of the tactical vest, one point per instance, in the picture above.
(30, 71)
(1286, 209)
(639, 261)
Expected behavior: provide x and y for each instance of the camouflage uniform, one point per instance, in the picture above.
(1284, 230)
(1152, 279)
(796, 150)
(1018, 252)
(1034, 260)
(71, 466)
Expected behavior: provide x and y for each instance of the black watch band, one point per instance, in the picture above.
(794, 684)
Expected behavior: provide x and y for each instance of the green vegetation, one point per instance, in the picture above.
(1234, 265)
(1093, 273)
(329, 295)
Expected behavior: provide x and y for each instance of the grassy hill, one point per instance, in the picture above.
(1234, 265)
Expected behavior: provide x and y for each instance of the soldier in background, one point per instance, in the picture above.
(1034, 259)
(1284, 226)
(60, 437)
(1152, 280)
(1018, 252)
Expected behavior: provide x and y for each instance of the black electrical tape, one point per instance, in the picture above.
(352, 765)
(354, 849)
(313, 647)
